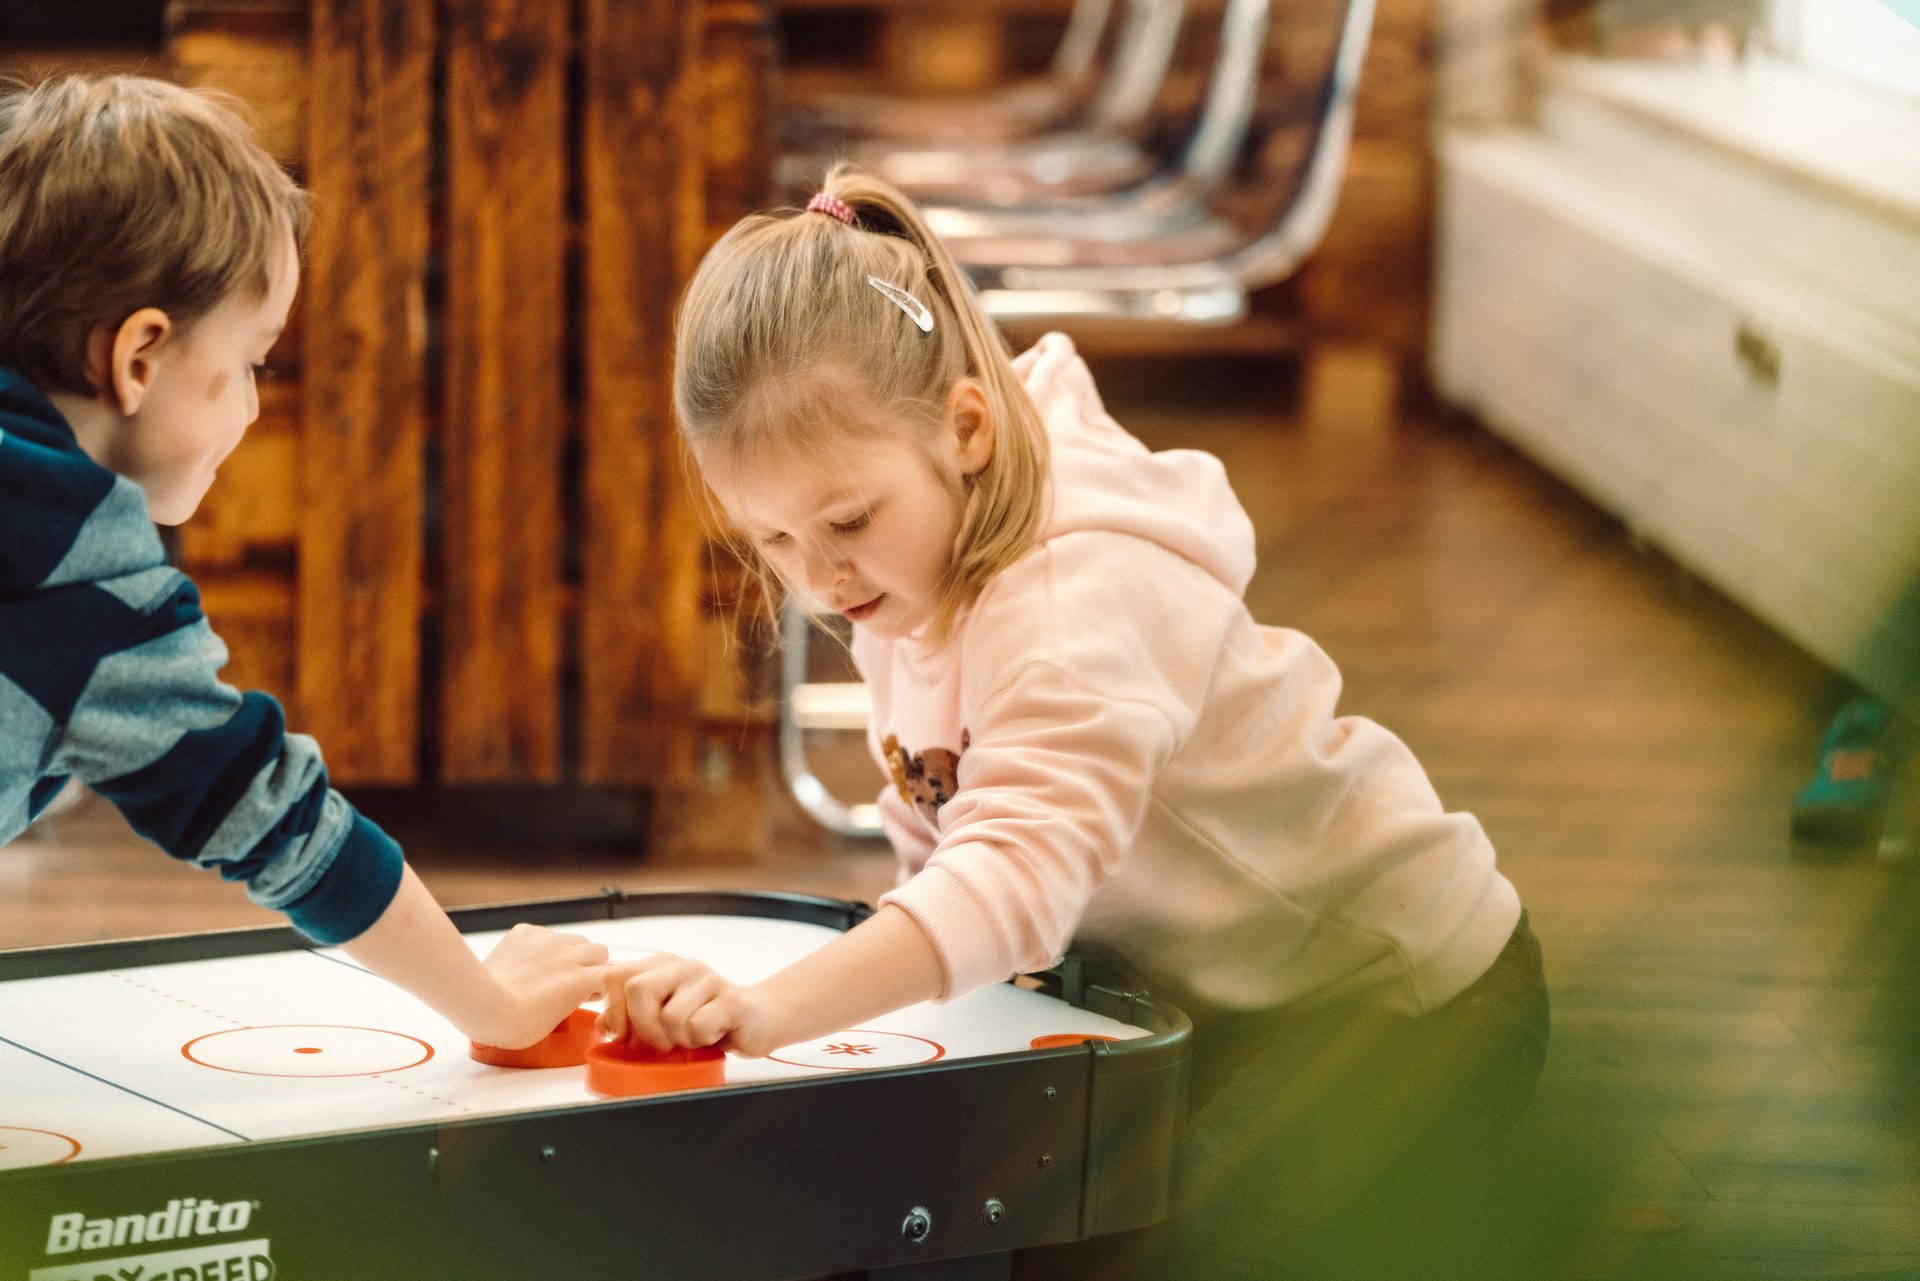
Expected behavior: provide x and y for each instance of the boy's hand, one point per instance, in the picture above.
(667, 1001)
(541, 977)
(532, 980)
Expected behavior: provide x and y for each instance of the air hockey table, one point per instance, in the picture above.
(244, 1106)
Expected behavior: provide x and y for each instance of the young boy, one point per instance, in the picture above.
(148, 258)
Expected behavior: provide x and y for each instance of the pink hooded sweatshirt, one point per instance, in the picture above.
(1109, 749)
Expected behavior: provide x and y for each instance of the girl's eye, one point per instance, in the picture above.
(773, 540)
(853, 526)
(259, 373)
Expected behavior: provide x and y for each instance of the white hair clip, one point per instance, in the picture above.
(916, 310)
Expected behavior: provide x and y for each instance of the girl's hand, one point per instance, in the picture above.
(666, 1001)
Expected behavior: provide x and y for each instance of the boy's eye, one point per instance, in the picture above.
(259, 373)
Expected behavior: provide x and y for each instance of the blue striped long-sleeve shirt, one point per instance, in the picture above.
(110, 673)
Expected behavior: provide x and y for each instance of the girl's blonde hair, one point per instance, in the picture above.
(780, 321)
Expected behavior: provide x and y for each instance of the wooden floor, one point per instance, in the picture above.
(1732, 1087)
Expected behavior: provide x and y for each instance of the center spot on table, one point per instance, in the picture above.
(307, 1050)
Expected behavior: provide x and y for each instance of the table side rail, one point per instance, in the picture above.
(609, 904)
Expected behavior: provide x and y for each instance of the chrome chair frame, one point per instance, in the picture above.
(810, 707)
(1162, 202)
(1096, 151)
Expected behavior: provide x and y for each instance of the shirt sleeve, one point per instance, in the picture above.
(1052, 791)
(1067, 741)
(213, 777)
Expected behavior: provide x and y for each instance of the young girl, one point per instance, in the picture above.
(1091, 740)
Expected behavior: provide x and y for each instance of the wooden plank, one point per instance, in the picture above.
(253, 49)
(505, 421)
(928, 50)
(252, 611)
(739, 81)
(371, 65)
(256, 51)
(645, 225)
(739, 112)
(252, 515)
(1395, 102)
(1369, 279)
(31, 66)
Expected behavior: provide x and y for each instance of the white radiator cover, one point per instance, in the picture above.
(1717, 345)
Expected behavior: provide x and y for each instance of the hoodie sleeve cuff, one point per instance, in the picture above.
(970, 950)
(355, 889)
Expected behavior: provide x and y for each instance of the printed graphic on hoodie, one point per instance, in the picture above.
(925, 780)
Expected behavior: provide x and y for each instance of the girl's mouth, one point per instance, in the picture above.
(860, 613)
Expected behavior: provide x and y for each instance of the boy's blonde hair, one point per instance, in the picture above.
(779, 324)
(121, 192)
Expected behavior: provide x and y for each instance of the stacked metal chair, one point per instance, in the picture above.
(837, 120)
(1081, 131)
(1240, 203)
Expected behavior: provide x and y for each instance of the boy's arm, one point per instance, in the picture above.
(213, 777)
(508, 1001)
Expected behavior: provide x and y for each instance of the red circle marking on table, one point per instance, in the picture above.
(426, 1050)
(72, 1143)
(565, 1046)
(1056, 1040)
(855, 1052)
(621, 1069)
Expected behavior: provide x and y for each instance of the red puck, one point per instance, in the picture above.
(623, 1068)
(1059, 1039)
(565, 1046)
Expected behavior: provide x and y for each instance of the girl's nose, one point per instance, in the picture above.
(825, 568)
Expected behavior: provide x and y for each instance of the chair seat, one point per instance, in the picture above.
(1188, 234)
(1056, 165)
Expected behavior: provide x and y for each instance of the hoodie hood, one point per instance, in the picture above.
(1104, 479)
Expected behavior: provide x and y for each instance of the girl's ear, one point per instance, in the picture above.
(130, 358)
(971, 421)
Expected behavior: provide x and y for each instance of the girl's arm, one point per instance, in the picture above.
(530, 981)
(884, 963)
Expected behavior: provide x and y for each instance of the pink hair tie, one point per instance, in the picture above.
(832, 206)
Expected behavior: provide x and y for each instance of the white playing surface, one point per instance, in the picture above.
(164, 1057)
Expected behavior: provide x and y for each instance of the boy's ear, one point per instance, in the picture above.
(130, 353)
(971, 421)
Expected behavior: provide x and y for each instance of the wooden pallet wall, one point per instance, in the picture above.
(363, 386)
(505, 424)
(459, 542)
